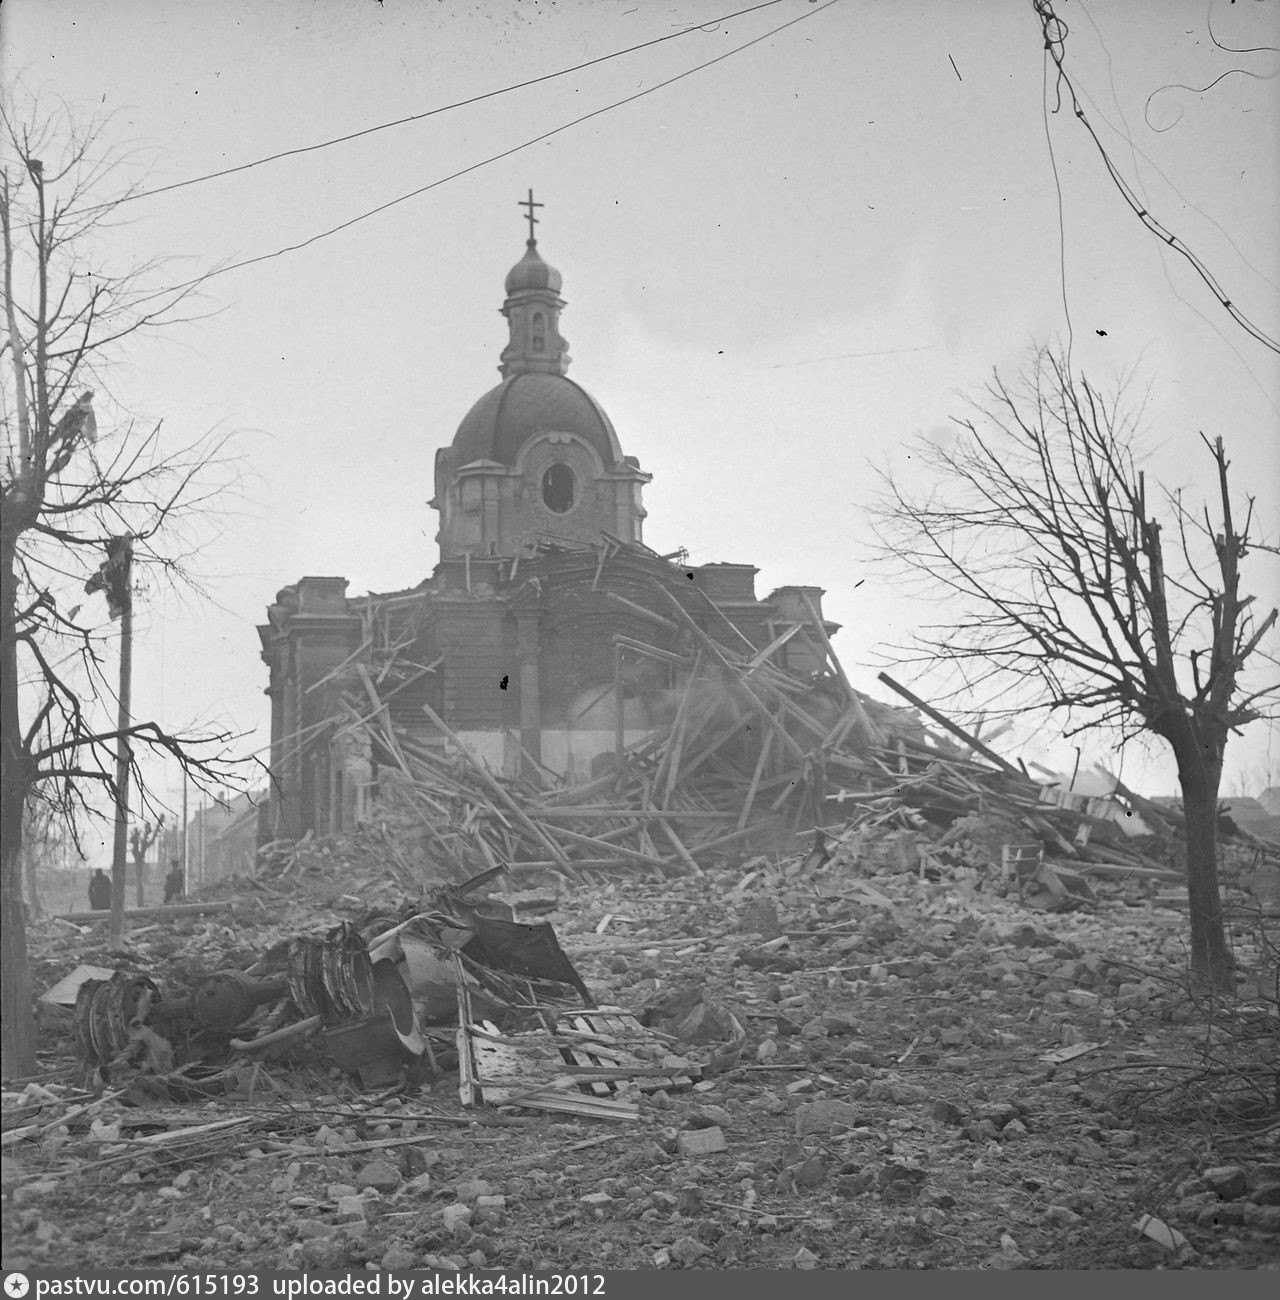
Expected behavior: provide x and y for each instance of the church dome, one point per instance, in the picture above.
(531, 272)
(526, 405)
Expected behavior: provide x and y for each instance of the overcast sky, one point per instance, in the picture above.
(778, 269)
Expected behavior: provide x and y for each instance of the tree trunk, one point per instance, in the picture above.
(140, 878)
(17, 1025)
(1210, 957)
(31, 874)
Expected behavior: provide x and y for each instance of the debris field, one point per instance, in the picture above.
(803, 982)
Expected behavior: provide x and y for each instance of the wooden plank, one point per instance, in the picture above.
(580, 1054)
(487, 780)
(156, 912)
(943, 721)
(685, 856)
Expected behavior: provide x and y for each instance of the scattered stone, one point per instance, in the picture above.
(909, 1094)
(825, 1117)
(1229, 1214)
(686, 1251)
(1159, 1231)
(701, 1141)
(1005, 1257)
(760, 917)
(456, 1217)
(900, 1182)
(1086, 999)
(1062, 1216)
(813, 1173)
(729, 1248)
(998, 1112)
(350, 1208)
(944, 1112)
(689, 1202)
(1229, 1181)
(380, 1175)
(1262, 1218)
(398, 1257)
(804, 1258)
(472, 1188)
(854, 1184)
(335, 1191)
(985, 1130)
(323, 1253)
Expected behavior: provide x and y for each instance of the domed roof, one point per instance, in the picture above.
(531, 272)
(525, 405)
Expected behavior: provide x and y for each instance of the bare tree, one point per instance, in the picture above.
(67, 491)
(1034, 521)
(141, 838)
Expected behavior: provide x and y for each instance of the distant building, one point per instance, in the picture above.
(222, 838)
(523, 642)
(1252, 815)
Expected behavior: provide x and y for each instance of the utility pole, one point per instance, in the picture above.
(118, 577)
(186, 833)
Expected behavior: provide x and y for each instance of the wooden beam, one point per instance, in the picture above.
(943, 721)
(158, 912)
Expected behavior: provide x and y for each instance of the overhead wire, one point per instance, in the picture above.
(1134, 154)
(1062, 229)
(1055, 33)
(420, 117)
(492, 158)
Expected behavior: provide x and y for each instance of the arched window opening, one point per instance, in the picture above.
(539, 331)
(559, 488)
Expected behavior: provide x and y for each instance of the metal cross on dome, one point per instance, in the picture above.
(529, 217)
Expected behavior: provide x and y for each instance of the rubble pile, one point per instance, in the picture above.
(755, 754)
(809, 1062)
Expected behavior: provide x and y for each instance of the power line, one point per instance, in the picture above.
(497, 157)
(1055, 34)
(420, 117)
(1062, 230)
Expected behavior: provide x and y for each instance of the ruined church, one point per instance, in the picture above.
(548, 638)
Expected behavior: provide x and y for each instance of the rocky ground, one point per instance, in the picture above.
(935, 1077)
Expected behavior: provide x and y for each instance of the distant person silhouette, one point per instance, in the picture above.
(100, 891)
(174, 883)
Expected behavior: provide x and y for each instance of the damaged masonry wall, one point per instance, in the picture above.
(547, 667)
(521, 646)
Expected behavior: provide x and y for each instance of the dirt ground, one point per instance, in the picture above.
(935, 1077)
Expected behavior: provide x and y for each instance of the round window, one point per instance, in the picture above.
(559, 488)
